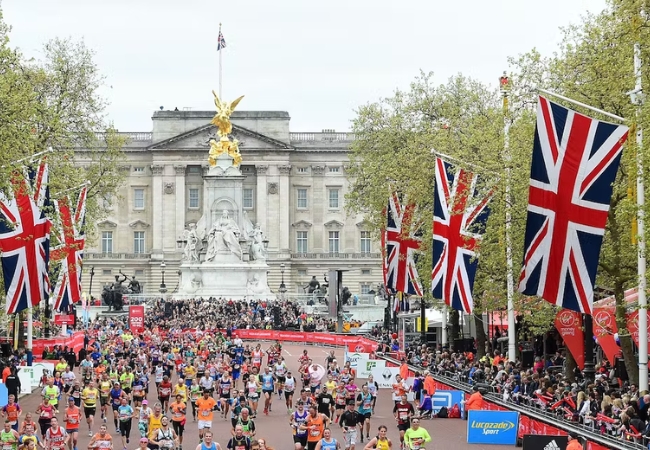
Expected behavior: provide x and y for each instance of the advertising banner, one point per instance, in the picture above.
(569, 325)
(447, 399)
(605, 327)
(63, 319)
(385, 377)
(35, 372)
(633, 326)
(136, 318)
(367, 366)
(544, 442)
(492, 427)
(355, 358)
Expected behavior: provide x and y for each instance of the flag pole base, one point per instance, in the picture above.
(30, 358)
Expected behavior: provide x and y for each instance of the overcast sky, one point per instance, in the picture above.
(317, 60)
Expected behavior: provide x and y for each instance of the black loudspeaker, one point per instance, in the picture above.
(620, 370)
(6, 349)
(484, 388)
(168, 310)
(527, 359)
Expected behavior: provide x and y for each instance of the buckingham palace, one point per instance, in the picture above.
(294, 187)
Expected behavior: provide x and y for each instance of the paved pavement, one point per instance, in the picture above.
(446, 433)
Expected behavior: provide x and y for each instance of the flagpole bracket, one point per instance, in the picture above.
(637, 97)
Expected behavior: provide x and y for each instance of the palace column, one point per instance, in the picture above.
(285, 207)
(180, 199)
(157, 193)
(261, 197)
(317, 205)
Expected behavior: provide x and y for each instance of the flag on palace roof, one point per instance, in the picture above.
(459, 217)
(68, 254)
(574, 164)
(221, 42)
(25, 239)
(402, 239)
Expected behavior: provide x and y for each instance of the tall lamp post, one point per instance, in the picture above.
(163, 287)
(90, 288)
(283, 287)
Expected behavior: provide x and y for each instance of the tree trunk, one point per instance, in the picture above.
(454, 320)
(480, 334)
(627, 346)
(570, 367)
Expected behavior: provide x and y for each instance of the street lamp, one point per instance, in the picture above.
(90, 289)
(283, 288)
(163, 288)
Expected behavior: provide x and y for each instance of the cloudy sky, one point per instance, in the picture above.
(317, 60)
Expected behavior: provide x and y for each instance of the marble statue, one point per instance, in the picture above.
(224, 236)
(257, 250)
(191, 252)
(247, 228)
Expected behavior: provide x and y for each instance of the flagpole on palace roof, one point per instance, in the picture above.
(220, 53)
(504, 85)
(636, 97)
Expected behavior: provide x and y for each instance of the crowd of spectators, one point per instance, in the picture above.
(222, 313)
(607, 405)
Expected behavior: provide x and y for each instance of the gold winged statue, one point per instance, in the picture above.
(222, 121)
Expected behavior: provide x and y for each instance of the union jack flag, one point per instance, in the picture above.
(221, 42)
(69, 251)
(459, 216)
(575, 160)
(25, 240)
(402, 242)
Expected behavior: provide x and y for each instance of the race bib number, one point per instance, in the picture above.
(7, 446)
(314, 433)
(205, 413)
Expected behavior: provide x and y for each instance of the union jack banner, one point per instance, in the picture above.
(25, 240)
(68, 254)
(575, 160)
(402, 243)
(221, 42)
(459, 217)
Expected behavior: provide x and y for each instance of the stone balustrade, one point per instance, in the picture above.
(326, 255)
(321, 137)
(117, 256)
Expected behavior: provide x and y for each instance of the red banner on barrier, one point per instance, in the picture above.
(604, 322)
(136, 318)
(569, 325)
(313, 338)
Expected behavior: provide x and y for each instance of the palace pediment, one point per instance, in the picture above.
(199, 138)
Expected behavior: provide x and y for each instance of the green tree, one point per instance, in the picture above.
(54, 103)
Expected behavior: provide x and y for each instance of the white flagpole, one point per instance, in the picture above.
(220, 53)
(444, 325)
(584, 105)
(510, 283)
(637, 99)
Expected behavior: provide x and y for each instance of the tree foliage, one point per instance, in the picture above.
(464, 119)
(54, 103)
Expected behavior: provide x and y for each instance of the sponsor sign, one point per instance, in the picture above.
(492, 427)
(604, 320)
(35, 372)
(355, 358)
(366, 367)
(385, 377)
(136, 318)
(63, 319)
(544, 442)
(633, 327)
(446, 398)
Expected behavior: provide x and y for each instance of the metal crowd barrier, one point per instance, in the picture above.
(455, 380)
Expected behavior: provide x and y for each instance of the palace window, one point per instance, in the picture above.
(107, 272)
(301, 202)
(194, 198)
(247, 198)
(365, 288)
(303, 169)
(333, 241)
(333, 196)
(138, 198)
(301, 242)
(138, 242)
(107, 242)
(334, 169)
(138, 169)
(365, 242)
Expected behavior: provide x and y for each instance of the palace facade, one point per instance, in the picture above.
(294, 187)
